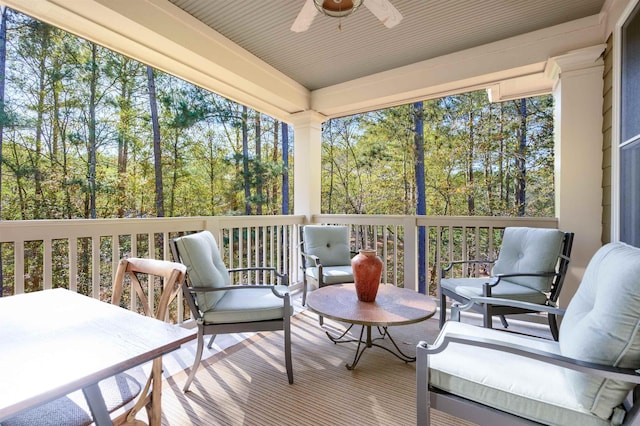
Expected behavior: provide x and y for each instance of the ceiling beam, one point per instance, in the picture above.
(516, 64)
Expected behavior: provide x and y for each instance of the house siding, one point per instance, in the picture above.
(607, 121)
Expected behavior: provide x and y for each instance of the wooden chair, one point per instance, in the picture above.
(219, 307)
(531, 268)
(121, 390)
(173, 276)
(590, 376)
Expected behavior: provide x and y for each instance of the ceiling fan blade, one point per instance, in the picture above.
(385, 12)
(305, 17)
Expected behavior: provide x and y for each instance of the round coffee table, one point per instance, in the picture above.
(393, 306)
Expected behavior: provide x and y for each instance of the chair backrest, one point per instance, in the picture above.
(200, 254)
(172, 273)
(533, 250)
(602, 325)
(329, 243)
(563, 266)
(173, 276)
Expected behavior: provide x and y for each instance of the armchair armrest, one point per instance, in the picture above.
(486, 288)
(315, 259)
(606, 371)
(457, 308)
(498, 277)
(451, 264)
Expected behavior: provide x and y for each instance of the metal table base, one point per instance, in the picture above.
(369, 342)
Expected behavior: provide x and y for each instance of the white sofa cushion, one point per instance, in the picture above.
(524, 387)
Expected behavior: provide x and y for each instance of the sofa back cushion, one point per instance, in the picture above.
(329, 243)
(532, 250)
(601, 325)
(205, 268)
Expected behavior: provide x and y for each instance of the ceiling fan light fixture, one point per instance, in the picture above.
(337, 8)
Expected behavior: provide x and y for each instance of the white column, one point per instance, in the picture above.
(307, 127)
(578, 155)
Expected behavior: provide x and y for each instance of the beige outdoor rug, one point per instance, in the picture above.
(247, 383)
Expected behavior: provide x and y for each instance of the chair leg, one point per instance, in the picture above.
(304, 291)
(487, 317)
(213, 336)
(196, 362)
(443, 308)
(504, 322)
(553, 325)
(287, 349)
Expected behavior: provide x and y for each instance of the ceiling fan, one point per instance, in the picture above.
(382, 9)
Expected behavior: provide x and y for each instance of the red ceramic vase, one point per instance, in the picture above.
(367, 269)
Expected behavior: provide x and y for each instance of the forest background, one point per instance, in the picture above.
(89, 133)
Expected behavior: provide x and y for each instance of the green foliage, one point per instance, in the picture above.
(471, 153)
(49, 129)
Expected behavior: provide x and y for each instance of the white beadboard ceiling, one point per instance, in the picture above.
(326, 55)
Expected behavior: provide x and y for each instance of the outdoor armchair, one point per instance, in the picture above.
(586, 378)
(531, 268)
(220, 307)
(325, 256)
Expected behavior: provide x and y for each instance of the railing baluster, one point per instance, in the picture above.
(47, 264)
(73, 263)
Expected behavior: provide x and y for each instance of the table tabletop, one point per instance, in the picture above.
(393, 305)
(54, 342)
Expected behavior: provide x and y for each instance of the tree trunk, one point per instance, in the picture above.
(471, 203)
(92, 131)
(44, 33)
(259, 177)
(275, 157)
(157, 150)
(421, 202)
(285, 168)
(521, 166)
(123, 136)
(245, 161)
(3, 67)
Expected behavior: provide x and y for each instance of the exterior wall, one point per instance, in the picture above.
(607, 113)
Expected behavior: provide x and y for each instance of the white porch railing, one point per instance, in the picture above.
(82, 255)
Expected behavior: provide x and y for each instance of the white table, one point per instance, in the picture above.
(54, 342)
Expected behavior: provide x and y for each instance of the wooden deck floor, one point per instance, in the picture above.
(176, 362)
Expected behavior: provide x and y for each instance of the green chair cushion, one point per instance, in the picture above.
(199, 253)
(473, 287)
(332, 274)
(248, 305)
(329, 243)
(533, 250)
(601, 325)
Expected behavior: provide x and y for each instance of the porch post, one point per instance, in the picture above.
(578, 155)
(307, 127)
